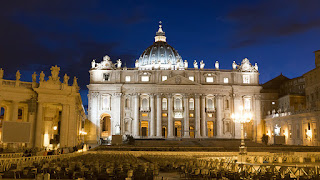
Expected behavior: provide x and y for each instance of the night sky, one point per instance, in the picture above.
(279, 35)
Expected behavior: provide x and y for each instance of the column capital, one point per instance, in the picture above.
(236, 95)
(257, 96)
(186, 95)
(117, 94)
(95, 94)
(152, 94)
(169, 95)
(135, 94)
(219, 96)
(197, 95)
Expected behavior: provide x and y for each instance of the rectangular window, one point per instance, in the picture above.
(106, 76)
(164, 115)
(128, 78)
(144, 114)
(164, 78)
(191, 78)
(209, 114)
(209, 79)
(191, 115)
(144, 78)
(226, 80)
(246, 79)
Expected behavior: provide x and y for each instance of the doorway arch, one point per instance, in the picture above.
(105, 125)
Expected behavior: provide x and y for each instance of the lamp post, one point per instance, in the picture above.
(242, 117)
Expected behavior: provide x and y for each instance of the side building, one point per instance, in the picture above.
(41, 114)
(296, 117)
(164, 98)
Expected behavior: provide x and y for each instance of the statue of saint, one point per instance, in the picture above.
(137, 63)
(234, 65)
(93, 64)
(119, 63)
(201, 64)
(34, 77)
(256, 66)
(185, 64)
(18, 75)
(65, 79)
(41, 78)
(1, 73)
(195, 64)
(216, 65)
(75, 83)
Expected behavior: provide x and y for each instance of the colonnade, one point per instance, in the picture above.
(200, 114)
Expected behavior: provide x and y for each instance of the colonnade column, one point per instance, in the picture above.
(159, 117)
(136, 116)
(152, 123)
(219, 124)
(71, 127)
(14, 110)
(186, 116)
(38, 134)
(197, 119)
(64, 126)
(203, 116)
(170, 123)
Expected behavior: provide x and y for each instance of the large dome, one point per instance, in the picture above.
(160, 54)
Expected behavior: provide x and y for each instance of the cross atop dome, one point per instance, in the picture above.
(160, 35)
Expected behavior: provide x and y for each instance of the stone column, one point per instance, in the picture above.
(170, 114)
(257, 118)
(197, 115)
(159, 116)
(14, 110)
(116, 108)
(152, 120)
(72, 125)
(94, 135)
(219, 124)
(64, 126)
(203, 116)
(186, 116)
(39, 124)
(237, 126)
(136, 116)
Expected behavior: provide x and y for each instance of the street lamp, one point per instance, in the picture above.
(242, 117)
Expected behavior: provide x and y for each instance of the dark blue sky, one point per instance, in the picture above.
(279, 35)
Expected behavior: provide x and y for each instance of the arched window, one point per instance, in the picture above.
(178, 104)
(191, 104)
(145, 104)
(210, 104)
(164, 103)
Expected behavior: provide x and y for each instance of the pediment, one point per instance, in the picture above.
(178, 80)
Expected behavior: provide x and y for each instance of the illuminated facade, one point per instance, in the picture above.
(44, 113)
(294, 114)
(162, 97)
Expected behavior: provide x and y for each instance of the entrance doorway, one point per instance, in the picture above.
(177, 128)
(210, 128)
(105, 126)
(144, 128)
(191, 132)
(164, 131)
